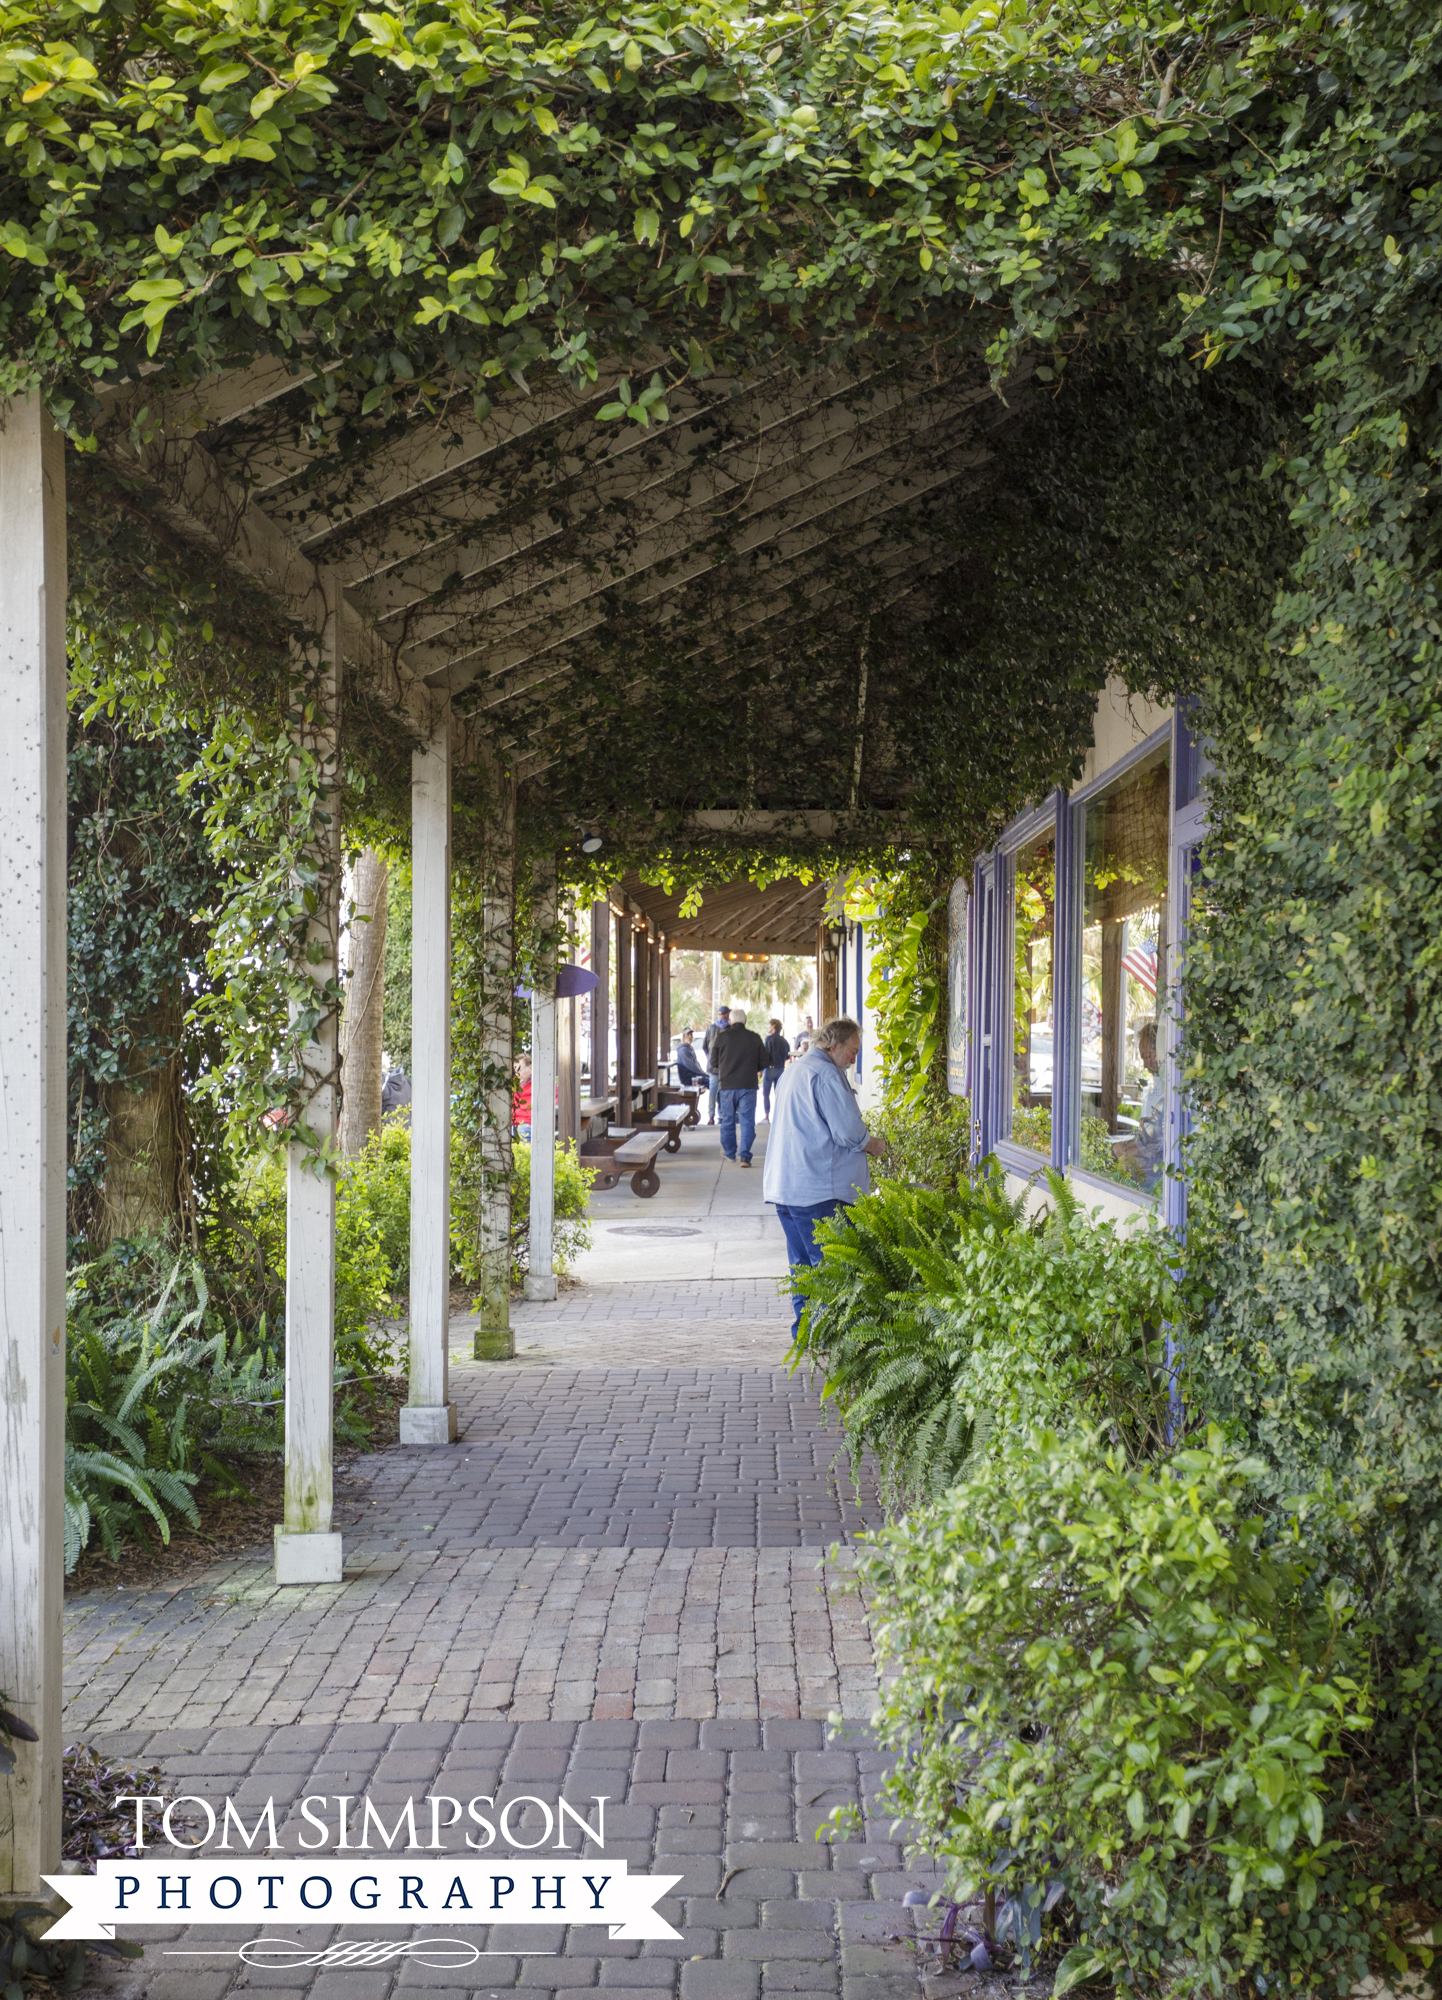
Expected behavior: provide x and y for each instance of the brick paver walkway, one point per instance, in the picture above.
(609, 1585)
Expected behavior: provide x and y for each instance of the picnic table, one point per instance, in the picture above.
(594, 1113)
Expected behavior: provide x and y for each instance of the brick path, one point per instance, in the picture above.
(609, 1585)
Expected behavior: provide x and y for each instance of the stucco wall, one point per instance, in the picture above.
(1122, 721)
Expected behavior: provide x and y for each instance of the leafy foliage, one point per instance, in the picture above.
(947, 1324)
(167, 1383)
(1123, 201)
(929, 1147)
(572, 1212)
(139, 872)
(905, 912)
(374, 1203)
(1110, 1676)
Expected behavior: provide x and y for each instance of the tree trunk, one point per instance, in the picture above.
(146, 1152)
(363, 1019)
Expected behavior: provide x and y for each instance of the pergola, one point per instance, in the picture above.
(785, 918)
(464, 576)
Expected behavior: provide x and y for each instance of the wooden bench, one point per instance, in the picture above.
(668, 1120)
(635, 1155)
(688, 1094)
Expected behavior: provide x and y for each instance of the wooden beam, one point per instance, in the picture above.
(644, 487)
(190, 492)
(429, 1415)
(33, 1119)
(678, 543)
(822, 534)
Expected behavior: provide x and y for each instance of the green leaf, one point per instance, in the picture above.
(223, 76)
(1081, 1965)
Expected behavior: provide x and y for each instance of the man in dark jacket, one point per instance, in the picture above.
(708, 1049)
(689, 1073)
(778, 1054)
(739, 1057)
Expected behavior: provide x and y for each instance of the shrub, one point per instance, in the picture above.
(947, 1325)
(929, 1144)
(374, 1202)
(140, 1375)
(1107, 1683)
(365, 1222)
(573, 1195)
(375, 1190)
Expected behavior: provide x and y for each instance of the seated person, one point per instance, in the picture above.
(690, 1071)
(521, 1096)
(1149, 1131)
(1141, 1152)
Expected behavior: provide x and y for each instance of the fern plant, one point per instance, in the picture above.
(947, 1324)
(164, 1389)
(878, 1326)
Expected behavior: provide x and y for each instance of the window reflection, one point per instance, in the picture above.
(1032, 1035)
(1124, 978)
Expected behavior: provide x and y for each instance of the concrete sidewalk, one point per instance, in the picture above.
(707, 1221)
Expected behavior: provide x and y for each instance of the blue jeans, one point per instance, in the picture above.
(769, 1079)
(798, 1225)
(738, 1123)
(713, 1091)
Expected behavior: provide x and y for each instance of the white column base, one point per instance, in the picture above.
(307, 1558)
(542, 1286)
(433, 1423)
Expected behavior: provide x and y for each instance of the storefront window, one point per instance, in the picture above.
(1124, 978)
(1033, 1039)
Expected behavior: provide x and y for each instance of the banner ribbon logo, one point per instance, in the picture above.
(329, 1890)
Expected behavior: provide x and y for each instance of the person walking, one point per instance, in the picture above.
(708, 1049)
(778, 1054)
(740, 1057)
(819, 1149)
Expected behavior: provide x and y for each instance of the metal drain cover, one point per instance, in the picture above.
(651, 1229)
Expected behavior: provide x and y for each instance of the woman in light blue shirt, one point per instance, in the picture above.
(818, 1150)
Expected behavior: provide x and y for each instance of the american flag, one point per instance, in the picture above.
(1140, 963)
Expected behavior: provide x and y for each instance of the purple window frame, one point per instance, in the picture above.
(992, 915)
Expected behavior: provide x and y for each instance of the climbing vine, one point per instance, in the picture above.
(1210, 236)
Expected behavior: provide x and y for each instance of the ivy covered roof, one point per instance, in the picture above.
(660, 381)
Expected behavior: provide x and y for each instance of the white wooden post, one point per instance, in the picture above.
(494, 1340)
(541, 1278)
(430, 1416)
(32, 1129)
(306, 1548)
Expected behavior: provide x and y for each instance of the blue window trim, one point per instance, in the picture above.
(1048, 817)
(1190, 767)
(991, 920)
(860, 990)
(1162, 738)
(984, 900)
